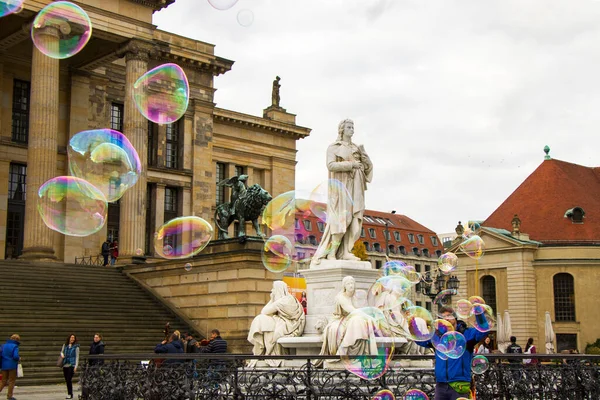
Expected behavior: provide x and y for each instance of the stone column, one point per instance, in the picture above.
(132, 220)
(159, 219)
(42, 151)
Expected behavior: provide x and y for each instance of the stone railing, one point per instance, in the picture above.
(200, 377)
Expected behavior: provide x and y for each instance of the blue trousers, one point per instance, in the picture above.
(443, 391)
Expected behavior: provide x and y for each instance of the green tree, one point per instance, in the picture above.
(360, 251)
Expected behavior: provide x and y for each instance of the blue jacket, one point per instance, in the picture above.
(10, 355)
(170, 348)
(456, 370)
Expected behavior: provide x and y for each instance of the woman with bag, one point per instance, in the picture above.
(70, 361)
(10, 363)
(530, 349)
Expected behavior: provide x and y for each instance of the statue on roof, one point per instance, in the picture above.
(275, 98)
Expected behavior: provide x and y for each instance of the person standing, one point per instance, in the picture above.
(530, 349)
(485, 347)
(114, 252)
(105, 251)
(191, 343)
(515, 364)
(70, 356)
(96, 348)
(10, 361)
(453, 376)
(216, 345)
(171, 346)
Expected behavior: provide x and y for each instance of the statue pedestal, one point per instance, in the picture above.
(324, 282)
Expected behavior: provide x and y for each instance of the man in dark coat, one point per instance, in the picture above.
(97, 348)
(172, 346)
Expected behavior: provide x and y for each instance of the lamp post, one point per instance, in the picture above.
(432, 287)
(387, 237)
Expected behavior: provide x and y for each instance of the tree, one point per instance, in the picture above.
(360, 251)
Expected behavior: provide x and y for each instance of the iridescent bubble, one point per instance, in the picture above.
(420, 323)
(441, 327)
(415, 394)
(443, 299)
(10, 7)
(332, 188)
(482, 318)
(245, 18)
(474, 247)
(384, 395)
(222, 4)
(447, 263)
(372, 339)
(72, 206)
(479, 364)
(187, 267)
(106, 159)
(476, 300)
(452, 344)
(400, 268)
(162, 94)
(139, 252)
(463, 309)
(394, 285)
(277, 253)
(61, 30)
(182, 237)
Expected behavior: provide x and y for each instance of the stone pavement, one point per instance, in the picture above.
(47, 392)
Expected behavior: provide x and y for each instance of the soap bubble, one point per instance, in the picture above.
(400, 268)
(443, 299)
(440, 327)
(187, 267)
(10, 7)
(479, 364)
(482, 318)
(476, 300)
(245, 18)
(474, 247)
(277, 253)
(452, 344)
(447, 263)
(182, 237)
(415, 394)
(384, 395)
(222, 4)
(106, 159)
(394, 285)
(373, 335)
(420, 323)
(162, 94)
(71, 24)
(139, 252)
(72, 206)
(463, 308)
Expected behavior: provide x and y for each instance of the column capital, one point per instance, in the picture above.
(137, 50)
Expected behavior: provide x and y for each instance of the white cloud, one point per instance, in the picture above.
(453, 99)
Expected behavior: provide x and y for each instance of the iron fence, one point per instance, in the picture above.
(200, 377)
(90, 260)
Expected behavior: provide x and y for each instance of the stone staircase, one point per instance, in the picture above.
(46, 302)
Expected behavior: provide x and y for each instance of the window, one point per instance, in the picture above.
(170, 213)
(392, 249)
(368, 219)
(116, 117)
(150, 220)
(434, 240)
(438, 253)
(239, 170)
(301, 255)
(377, 247)
(411, 238)
(488, 288)
(387, 234)
(428, 306)
(20, 111)
(402, 250)
(362, 232)
(416, 251)
(299, 238)
(113, 219)
(425, 252)
(16, 182)
(296, 224)
(312, 240)
(427, 268)
(321, 228)
(172, 151)
(564, 297)
(220, 175)
(152, 144)
(566, 341)
(419, 304)
(421, 239)
(372, 233)
(367, 246)
(397, 236)
(377, 264)
(307, 225)
(382, 222)
(418, 285)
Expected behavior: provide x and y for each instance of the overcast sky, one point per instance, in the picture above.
(454, 100)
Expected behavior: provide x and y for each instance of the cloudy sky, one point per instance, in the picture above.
(454, 100)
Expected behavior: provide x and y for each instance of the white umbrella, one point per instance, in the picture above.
(507, 329)
(549, 334)
(500, 339)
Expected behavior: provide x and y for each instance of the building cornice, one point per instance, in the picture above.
(236, 118)
(156, 5)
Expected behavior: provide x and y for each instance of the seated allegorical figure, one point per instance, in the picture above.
(283, 316)
(344, 305)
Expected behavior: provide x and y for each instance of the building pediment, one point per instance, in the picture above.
(499, 240)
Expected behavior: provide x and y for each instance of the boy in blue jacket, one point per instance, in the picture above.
(10, 360)
(453, 376)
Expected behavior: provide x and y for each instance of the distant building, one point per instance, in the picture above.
(543, 254)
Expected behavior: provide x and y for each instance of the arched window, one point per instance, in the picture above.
(425, 252)
(377, 247)
(392, 249)
(367, 246)
(402, 250)
(564, 297)
(312, 240)
(488, 290)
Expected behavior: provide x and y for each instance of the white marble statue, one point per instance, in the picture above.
(283, 316)
(349, 164)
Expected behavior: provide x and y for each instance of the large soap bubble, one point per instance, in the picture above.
(482, 317)
(67, 20)
(441, 327)
(162, 94)
(182, 237)
(368, 351)
(479, 364)
(447, 263)
(386, 286)
(400, 268)
(420, 323)
(415, 394)
(384, 394)
(474, 247)
(277, 253)
(452, 344)
(106, 159)
(10, 7)
(72, 206)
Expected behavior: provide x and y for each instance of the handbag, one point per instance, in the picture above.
(61, 360)
(19, 370)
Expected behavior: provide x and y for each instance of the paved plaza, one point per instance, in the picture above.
(46, 392)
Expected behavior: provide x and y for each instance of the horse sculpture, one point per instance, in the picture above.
(247, 206)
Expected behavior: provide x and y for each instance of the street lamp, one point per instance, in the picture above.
(432, 287)
(387, 237)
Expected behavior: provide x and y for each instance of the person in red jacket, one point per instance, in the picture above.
(114, 252)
